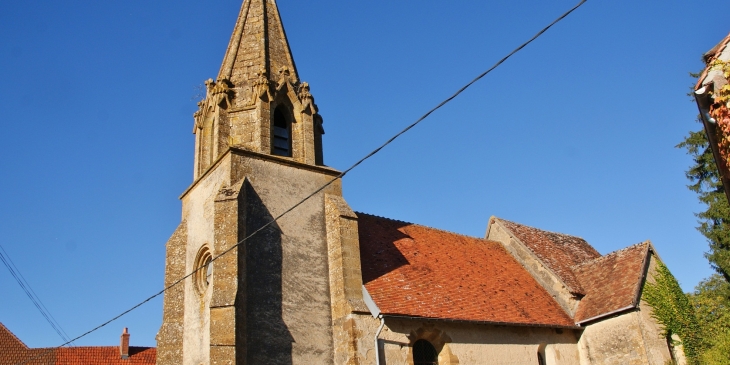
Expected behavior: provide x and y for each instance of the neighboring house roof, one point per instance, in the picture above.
(559, 252)
(416, 271)
(104, 355)
(612, 282)
(12, 349)
(714, 113)
(709, 57)
(13, 352)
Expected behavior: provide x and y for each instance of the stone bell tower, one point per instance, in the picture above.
(257, 102)
(258, 151)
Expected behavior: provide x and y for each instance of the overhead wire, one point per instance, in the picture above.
(65, 336)
(339, 176)
(20, 279)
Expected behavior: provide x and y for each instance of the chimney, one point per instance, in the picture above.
(124, 344)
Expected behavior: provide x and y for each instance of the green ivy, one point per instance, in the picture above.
(672, 308)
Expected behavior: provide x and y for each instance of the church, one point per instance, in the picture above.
(327, 285)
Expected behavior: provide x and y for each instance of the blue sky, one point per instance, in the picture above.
(574, 134)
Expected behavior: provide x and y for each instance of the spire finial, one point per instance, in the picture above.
(258, 43)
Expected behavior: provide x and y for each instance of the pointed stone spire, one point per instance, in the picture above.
(258, 46)
(258, 103)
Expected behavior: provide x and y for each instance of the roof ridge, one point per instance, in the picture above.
(540, 229)
(613, 253)
(427, 227)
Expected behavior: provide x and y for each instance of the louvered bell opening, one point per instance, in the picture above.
(281, 141)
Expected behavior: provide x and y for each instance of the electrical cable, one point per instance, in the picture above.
(15, 272)
(65, 336)
(341, 175)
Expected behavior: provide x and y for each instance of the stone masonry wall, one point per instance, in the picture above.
(170, 335)
(199, 214)
(614, 341)
(288, 308)
(464, 343)
(345, 278)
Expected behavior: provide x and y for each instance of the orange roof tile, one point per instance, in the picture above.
(559, 252)
(104, 355)
(612, 282)
(12, 350)
(417, 271)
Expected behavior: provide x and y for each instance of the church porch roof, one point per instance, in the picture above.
(612, 282)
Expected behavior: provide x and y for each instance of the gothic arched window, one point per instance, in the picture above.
(281, 132)
(424, 353)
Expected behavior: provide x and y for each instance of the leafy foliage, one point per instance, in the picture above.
(711, 302)
(673, 309)
(720, 112)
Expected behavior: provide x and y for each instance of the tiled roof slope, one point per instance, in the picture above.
(611, 282)
(8, 340)
(13, 352)
(417, 271)
(106, 355)
(559, 252)
(36, 356)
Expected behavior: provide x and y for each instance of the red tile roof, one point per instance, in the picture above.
(12, 349)
(612, 282)
(417, 271)
(106, 355)
(13, 352)
(559, 252)
(715, 114)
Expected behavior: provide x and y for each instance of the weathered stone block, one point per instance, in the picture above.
(223, 326)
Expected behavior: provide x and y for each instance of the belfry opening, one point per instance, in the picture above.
(281, 132)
